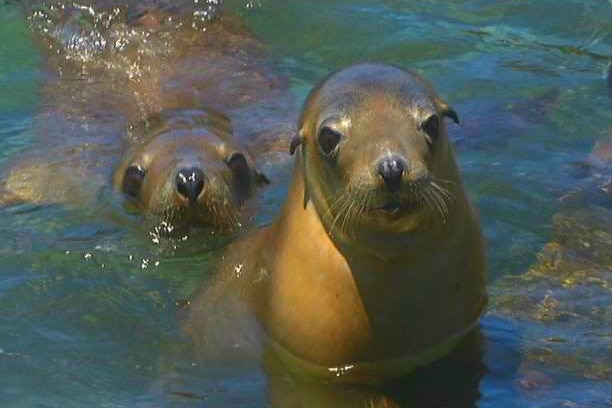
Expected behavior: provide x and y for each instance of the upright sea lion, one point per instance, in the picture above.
(375, 265)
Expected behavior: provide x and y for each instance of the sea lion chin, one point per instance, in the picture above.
(375, 265)
(188, 169)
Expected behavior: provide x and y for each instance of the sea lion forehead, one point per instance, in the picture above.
(371, 84)
(185, 142)
(189, 120)
(193, 135)
(379, 75)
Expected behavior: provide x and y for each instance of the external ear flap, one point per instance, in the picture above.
(261, 178)
(295, 143)
(450, 113)
(241, 166)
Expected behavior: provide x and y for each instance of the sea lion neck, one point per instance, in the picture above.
(305, 214)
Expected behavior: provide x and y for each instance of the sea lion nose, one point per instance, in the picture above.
(190, 183)
(391, 169)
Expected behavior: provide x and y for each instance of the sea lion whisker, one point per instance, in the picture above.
(336, 201)
(446, 192)
(439, 202)
(345, 214)
(224, 216)
(445, 181)
(229, 211)
(344, 210)
(432, 204)
(438, 196)
(221, 211)
(211, 208)
(426, 201)
(365, 205)
(342, 199)
(352, 214)
(232, 217)
(363, 198)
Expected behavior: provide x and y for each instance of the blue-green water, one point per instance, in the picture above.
(88, 304)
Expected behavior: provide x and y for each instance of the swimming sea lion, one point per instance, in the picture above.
(107, 70)
(189, 167)
(375, 265)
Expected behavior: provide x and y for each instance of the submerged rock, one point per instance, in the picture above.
(564, 300)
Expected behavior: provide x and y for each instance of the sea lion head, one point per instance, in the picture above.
(375, 151)
(189, 169)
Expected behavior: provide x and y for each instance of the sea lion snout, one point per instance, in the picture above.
(190, 183)
(391, 169)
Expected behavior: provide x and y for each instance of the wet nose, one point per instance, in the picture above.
(190, 183)
(391, 169)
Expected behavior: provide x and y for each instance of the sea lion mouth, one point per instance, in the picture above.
(222, 217)
(396, 207)
(217, 206)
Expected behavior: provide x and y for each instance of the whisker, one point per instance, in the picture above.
(446, 192)
(340, 207)
(427, 199)
(347, 215)
(337, 199)
(439, 198)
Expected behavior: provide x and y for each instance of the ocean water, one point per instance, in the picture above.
(89, 303)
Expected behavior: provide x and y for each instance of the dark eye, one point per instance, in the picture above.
(239, 165)
(431, 127)
(132, 180)
(328, 140)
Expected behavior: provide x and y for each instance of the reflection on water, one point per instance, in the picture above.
(90, 297)
(451, 382)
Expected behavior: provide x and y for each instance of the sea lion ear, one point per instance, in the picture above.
(261, 178)
(296, 142)
(242, 166)
(450, 113)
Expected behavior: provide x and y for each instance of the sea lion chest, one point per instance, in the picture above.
(329, 308)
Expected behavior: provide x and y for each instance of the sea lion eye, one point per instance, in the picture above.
(431, 127)
(238, 163)
(328, 140)
(132, 180)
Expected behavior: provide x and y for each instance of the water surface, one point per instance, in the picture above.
(88, 304)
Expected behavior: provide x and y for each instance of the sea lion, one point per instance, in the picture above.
(108, 69)
(375, 265)
(189, 167)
